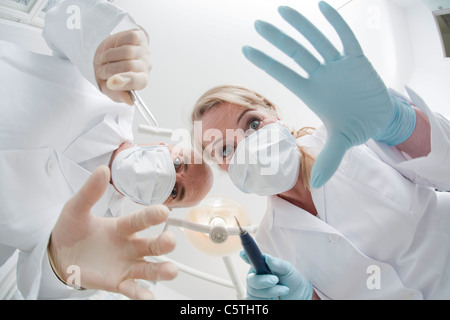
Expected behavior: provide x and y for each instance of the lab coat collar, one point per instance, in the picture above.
(103, 138)
(284, 214)
(76, 176)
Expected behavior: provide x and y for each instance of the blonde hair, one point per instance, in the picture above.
(247, 98)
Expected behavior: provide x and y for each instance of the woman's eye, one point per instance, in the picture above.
(227, 151)
(174, 193)
(254, 124)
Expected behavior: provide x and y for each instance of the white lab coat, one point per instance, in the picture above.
(56, 127)
(382, 231)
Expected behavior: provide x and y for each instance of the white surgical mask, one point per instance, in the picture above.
(145, 174)
(267, 162)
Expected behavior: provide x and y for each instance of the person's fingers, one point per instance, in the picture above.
(269, 293)
(136, 37)
(90, 193)
(117, 96)
(106, 71)
(163, 244)
(244, 257)
(278, 266)
(310, 32)
(262, 281)
(288, 45)
(329, 159)
(128, 81)
(127, 52)
(141, 220)
(122, 63)
(283, 74)
(134, 291)
(151, 271)
(348, 38)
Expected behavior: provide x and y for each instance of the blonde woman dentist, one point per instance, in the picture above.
(352, 211)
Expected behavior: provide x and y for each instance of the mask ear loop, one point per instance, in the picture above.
(284, 124)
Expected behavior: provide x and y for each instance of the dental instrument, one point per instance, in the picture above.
(210, 228)
(254, 255)
(162, 132)
(143, 109)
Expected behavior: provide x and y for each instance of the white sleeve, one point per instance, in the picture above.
(36, 279)
(29, 209)
(52, 288)
(432, 170)
(75, 28)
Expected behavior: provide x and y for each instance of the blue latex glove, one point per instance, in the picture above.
(285, 282)
(345, 91)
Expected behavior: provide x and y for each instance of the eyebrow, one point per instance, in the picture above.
(242, 115)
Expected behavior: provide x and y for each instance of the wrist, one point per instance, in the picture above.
(54, 266)
(309, 292)
(56, 269)
(419, 143)
(402, 124)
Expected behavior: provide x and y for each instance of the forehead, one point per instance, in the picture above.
(197, 182)
(222, 116)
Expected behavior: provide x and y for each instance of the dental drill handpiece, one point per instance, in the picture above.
(253, 253)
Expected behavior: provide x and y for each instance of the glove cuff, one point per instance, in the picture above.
(311, 290)
(402, 125)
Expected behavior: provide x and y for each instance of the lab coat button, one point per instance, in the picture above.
(333, 237)
(49, 166)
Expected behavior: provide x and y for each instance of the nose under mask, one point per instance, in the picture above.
(145, 174)
(267, 162)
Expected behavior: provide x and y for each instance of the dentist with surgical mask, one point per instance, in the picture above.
(159, 174)
(129, 178)
(353, 208)
(63, 117)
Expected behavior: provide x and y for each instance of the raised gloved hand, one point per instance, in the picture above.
(107, 251)
(285, 282)
(345, 91)
(122, 63)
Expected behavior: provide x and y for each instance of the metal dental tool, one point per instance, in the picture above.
(143, 109)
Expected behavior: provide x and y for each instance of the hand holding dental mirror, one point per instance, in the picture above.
(122, 63)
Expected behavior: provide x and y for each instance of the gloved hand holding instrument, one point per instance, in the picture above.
(269, 277)
(284, 282)
(345, 90)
